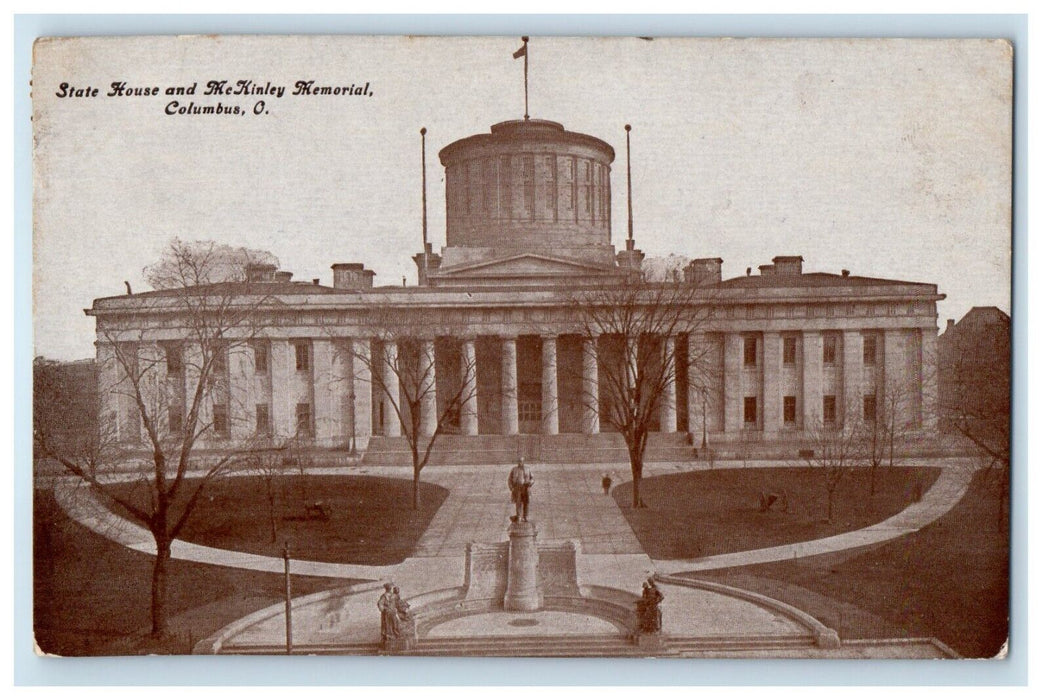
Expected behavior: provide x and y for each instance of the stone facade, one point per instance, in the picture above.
(784, 351)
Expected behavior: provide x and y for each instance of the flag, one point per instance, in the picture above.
(523, 51)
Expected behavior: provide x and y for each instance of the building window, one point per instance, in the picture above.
(790, 350)
(750, 351)
(528, 185)
(830, 410)
(530, 410)
(870, 349)
(262, 419)
(303, 420)
(220, 419)
(790, 407)
(505, 188)
(491, 167)
(550, 186)
(218, 362)
(173, 355)
(830, 350)
(302, 355)
(175, 418)
(262, 358)
(588, 187)
(870, 408)
(750, 410)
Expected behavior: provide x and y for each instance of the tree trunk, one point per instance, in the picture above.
(415, 490)
(636, 469)
(273, 516)
(160, 587)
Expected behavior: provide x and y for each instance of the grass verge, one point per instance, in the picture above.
(702, 513)
(368, 519)
(91, 596)
(949, 580)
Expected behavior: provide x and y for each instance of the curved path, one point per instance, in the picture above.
(570, 504)
(943, 495)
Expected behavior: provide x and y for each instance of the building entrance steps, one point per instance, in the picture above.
(572, 448)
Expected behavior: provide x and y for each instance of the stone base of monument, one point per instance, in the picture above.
(522, 581)
(399, 645)
(650, 641)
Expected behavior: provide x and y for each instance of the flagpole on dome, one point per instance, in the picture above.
(523, 51)
(629, 196)
(425, 277)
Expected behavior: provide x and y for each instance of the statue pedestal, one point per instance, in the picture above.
(522, 590)
(649, 641)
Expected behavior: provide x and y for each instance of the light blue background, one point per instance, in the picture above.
(31, 670)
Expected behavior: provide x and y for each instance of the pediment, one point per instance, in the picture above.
(525, 265)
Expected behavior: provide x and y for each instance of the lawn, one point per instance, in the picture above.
(949, 580)
(92, 596)
(369, 519)
(702, 513)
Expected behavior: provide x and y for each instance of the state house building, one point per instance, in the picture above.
(528, 225)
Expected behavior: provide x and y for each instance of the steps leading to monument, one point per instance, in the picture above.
(608, 645)
(505, 449)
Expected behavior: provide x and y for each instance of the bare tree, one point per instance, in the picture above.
(976, 395)
(634, 329)
(404, 368)
(177, 395)
(834, 449)
(882, 431)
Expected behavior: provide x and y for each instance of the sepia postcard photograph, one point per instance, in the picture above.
(522, 346)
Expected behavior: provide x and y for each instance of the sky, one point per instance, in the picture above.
(890, 158)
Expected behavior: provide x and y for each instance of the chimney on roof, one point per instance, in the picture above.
(427, 263)
(844, 273)
(260, 272)
(748, 272)
(703, 271)
(787, 264)
(351, 276)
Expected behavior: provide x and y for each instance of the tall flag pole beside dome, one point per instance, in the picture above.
(426, 244)
(629, 196)
(523, 51)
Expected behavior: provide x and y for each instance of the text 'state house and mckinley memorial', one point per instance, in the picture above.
(787, 352)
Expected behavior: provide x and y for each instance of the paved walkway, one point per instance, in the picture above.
(569, 505)
(940, 498)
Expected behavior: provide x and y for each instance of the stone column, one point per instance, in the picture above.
(668, 402)
(771, 388)
(109, 374)
(361, 418)
(428, 374)
(468, 416)
(812, 379)
(391, 389)
(282, 368)
(241, 391)
(733, 382)
(701, 374)
(550, 405)
(928, 365)
(591, 400)
(522, 586)
(852, 376)
(322, 391)
(509, 386)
